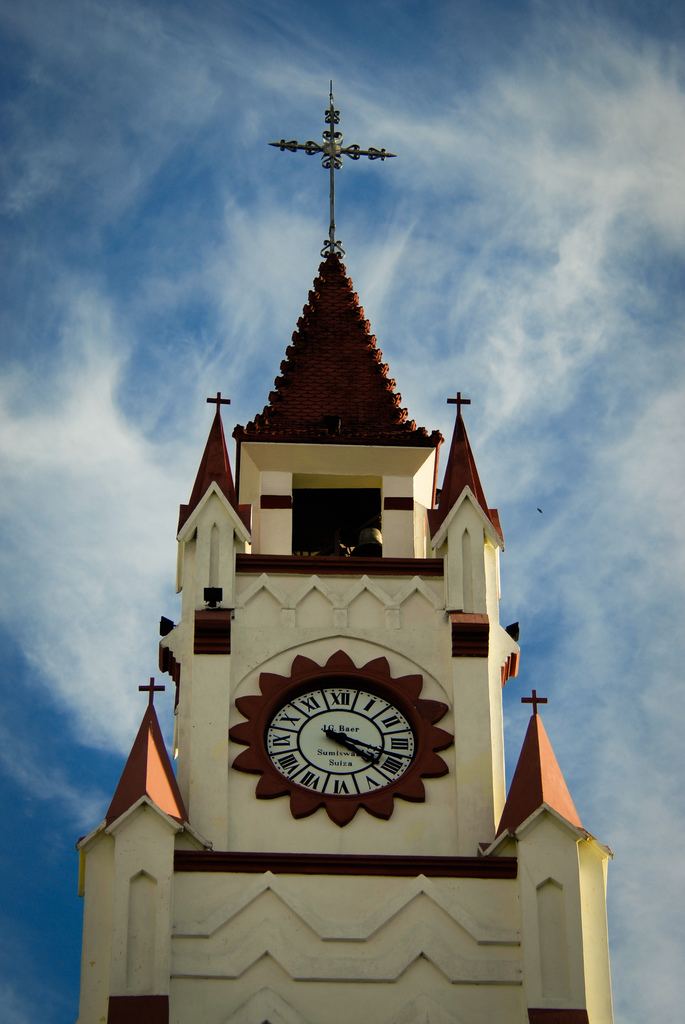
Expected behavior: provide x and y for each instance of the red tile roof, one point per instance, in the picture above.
(215, 467)
(148, 772)
(333, 369)
(460, 472)
(537, 780)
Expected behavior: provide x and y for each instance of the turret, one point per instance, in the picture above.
(562, 884)
(213, 529)
(126, 871)
(467, 535)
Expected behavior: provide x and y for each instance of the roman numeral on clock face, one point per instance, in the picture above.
(280, 741)
(288, 763)
(309, 703)
(371, 782)
(399, 743)
(310, 779)
(392, 764)
(390, 721)
(341, 699)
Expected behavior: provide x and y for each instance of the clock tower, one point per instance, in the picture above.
(337, 842)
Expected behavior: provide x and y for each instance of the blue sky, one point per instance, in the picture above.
(526, 247)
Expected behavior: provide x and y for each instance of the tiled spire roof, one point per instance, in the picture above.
(537, 780)
(215, 467)
(460, 472)
(148, 772)
(333, 386)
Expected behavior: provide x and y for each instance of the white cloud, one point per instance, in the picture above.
(15, 1009)
(78, 805)
(89, 507)
(524, 250)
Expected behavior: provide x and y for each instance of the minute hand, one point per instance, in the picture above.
(354, 742)
(382, 750)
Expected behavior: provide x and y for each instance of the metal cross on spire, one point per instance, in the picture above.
(219, 400)
(151, 690)
(458, 401)
(534, 700)
(332, 151)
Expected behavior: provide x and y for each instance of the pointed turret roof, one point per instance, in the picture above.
(334, 387)
(538, 780)
(460, 472)
(215, 467)
(148, 772)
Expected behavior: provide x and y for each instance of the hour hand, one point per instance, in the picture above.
(351, 744)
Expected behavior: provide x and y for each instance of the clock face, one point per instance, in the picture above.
(340, 740)
(340, 737)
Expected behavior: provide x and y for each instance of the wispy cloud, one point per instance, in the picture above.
(15, 1007)
(79, 805)
(527, 247)
(89, 510)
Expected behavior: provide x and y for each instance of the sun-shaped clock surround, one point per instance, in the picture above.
(403, 692)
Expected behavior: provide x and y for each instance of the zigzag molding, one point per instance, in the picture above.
(351, 931)
(423, 1010)
(266, 1004)
(338, 602)
(262, 582)
(376, 961)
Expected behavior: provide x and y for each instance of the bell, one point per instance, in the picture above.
(370, 543)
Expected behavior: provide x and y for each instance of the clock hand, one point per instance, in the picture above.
(371, 746)
(353, 745)
(360, 742)
(381, 750)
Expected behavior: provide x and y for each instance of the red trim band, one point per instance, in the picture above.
(310, 565)
(536, 1016)
(345, 864)
(470, 635)
(138, 1010)
(213, 631)
(276, 501)
(398, 504)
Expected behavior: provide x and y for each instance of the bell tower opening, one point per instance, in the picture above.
(335, 515)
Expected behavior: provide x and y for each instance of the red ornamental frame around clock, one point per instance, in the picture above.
(403, 692)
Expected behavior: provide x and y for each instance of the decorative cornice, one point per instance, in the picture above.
(167, 663)
(212, 631)
(470, 635)
(407, 866)
(510, 668)
(310, 565)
